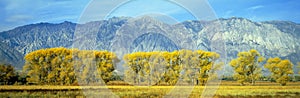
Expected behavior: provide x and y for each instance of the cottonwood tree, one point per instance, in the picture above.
(61, 66)
(174, 65)
(246, 66)
(298, 67)
(281, 69)
(199, 66)
(207, 65)
(133, 61)
(7, 74)
(155, 67)
(169, 67)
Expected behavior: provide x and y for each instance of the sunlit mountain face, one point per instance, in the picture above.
(270, 38)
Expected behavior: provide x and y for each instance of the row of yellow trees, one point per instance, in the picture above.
(169, 67)
(247, 68)
(61, 66)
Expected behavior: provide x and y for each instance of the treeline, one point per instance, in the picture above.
(62, 66)
(247, 67)
(168, 67)
(9, 76)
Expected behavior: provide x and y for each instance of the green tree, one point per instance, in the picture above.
(246, 66)
(280, 69)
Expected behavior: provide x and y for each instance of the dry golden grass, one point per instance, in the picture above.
(226, 89)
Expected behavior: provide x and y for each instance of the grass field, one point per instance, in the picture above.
(225, 90)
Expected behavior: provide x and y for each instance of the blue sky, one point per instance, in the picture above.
(21, 12)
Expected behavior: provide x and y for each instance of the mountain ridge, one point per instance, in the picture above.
(279, 38)
(268, 21)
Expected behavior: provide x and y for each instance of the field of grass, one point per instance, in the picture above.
(225, 90)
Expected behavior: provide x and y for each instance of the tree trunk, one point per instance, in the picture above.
(252, 82)
(149, 80)
(139, 78)
(203, 82)
(242, 84)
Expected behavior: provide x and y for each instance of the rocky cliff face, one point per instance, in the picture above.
(153, 42)
(273, 38)
(242, 35)
(28, 38)
(10, 56)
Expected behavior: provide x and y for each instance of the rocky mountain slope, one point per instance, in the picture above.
(123, 35)
(10, 56)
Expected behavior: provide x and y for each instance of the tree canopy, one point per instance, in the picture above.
(246, 66)
(280, 69)
(169, 67)
(61, 66)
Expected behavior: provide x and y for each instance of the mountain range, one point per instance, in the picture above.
(125, 35)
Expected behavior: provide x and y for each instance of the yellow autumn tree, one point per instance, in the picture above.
(134, 69)
(154, 67)
(173, 67)
(7, 74)
(246, 66)
(61, 66)
(207, 65)
(139, 67)
(298, 67)
(169, 67)
(281, 69)
(32, 66)
(105, 62)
